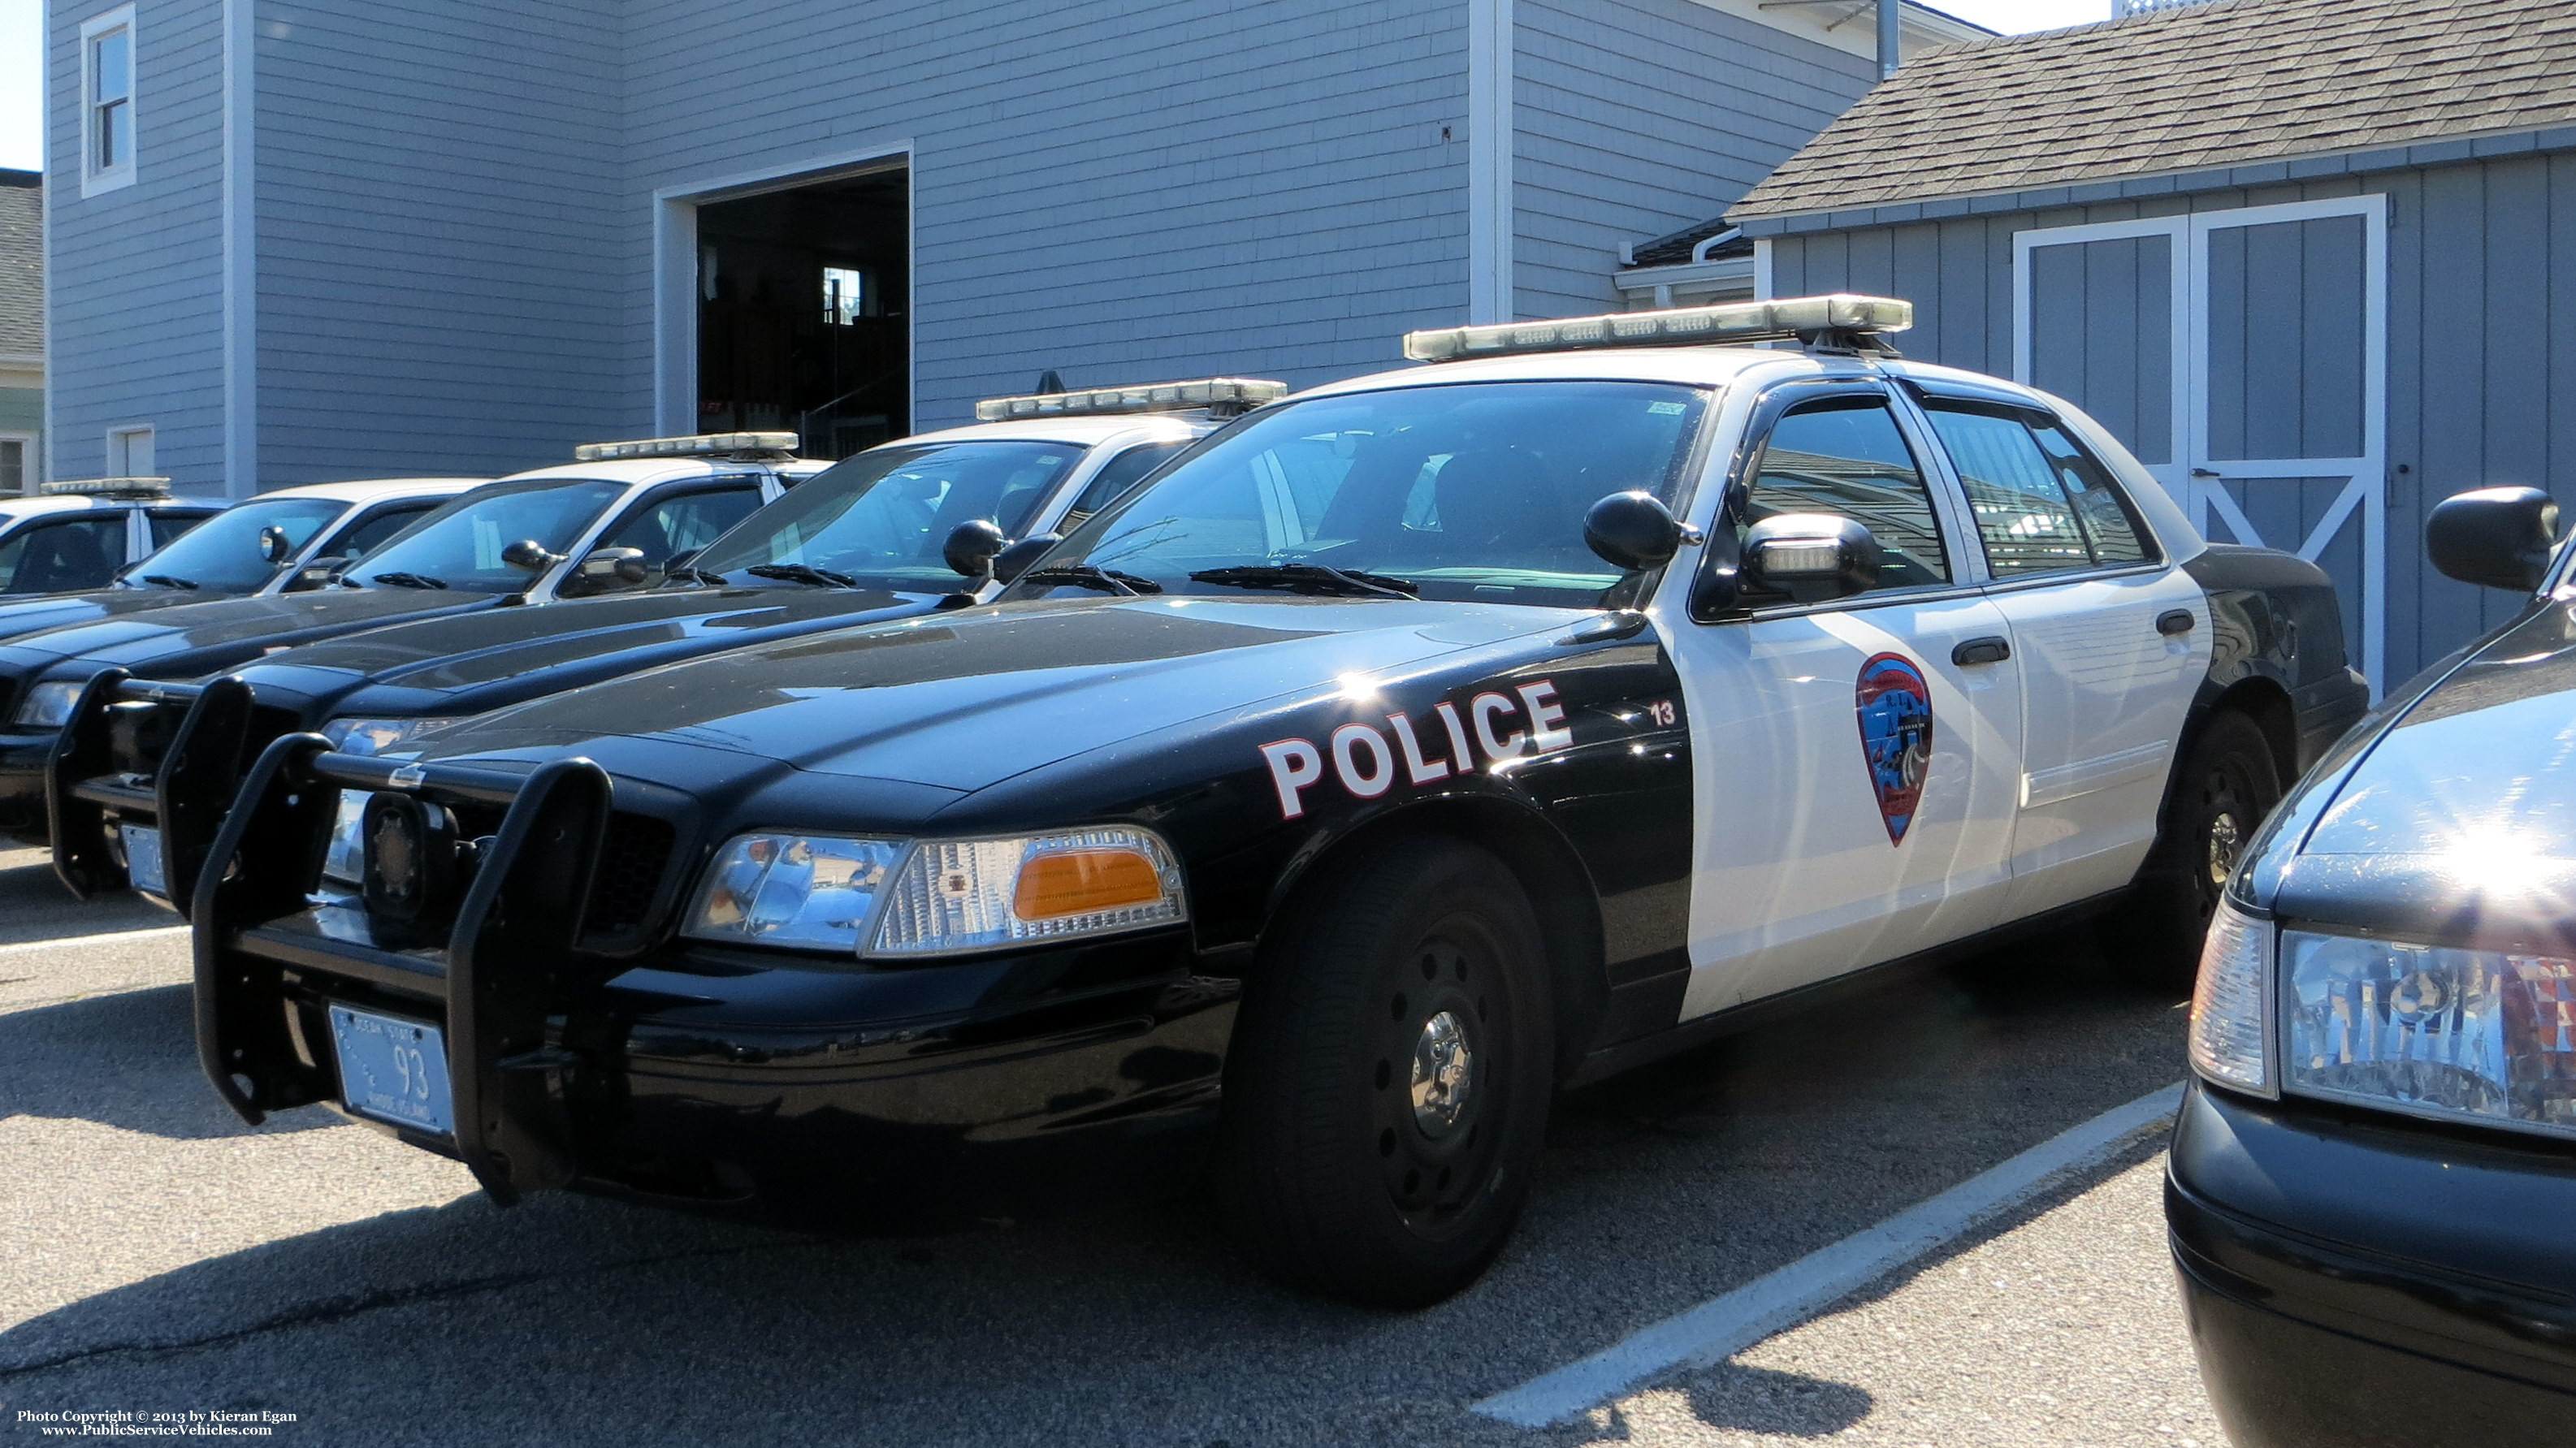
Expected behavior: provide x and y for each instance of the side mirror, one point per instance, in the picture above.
(529, 556)
(681, 559)
(611, 567)
(1812, 557)
(274, 545)
(1634, 531)
(2494, 537)
(972, 547)
(1017, 559)
(316, 574)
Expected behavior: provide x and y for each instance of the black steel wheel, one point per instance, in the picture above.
(1387, 1090)
(2220, 795)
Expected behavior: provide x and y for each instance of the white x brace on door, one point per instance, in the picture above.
(2242, 355)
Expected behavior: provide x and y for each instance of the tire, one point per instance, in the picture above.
(1348, 1165)
(2220, 795)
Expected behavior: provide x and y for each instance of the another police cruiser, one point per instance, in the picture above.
(289, 540)
(75, 534)
(2373, 1179)
(882, 535)
(607, 521)
(1408, 749)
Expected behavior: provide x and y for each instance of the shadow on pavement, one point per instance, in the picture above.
(575, 1320)
(36, 906)
(127, 1060)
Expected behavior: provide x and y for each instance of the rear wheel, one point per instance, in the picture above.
(1387, 1090)
(2221, 793)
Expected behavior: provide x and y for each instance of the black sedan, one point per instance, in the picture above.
(2372, 1180)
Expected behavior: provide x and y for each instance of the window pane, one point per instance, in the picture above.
(2108, 523)
(13, 466)
(679, 525)
(167, 526)
(1845, 457)
(460, 544)
(2023, 515)
(376, 528)
(226, 553)
(113, 80)
(884, 516)
(1120, 475)
(79, 553)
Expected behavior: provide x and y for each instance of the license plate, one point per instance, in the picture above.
(393, 1070)
(143, 859)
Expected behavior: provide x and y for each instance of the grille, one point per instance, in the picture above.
(631, 860)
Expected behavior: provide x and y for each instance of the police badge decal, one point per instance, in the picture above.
(1895, 707)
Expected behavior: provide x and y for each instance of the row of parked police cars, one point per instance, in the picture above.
(1192, 782)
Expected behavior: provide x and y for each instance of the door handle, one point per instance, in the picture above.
(2174, 621)
(1992, 649)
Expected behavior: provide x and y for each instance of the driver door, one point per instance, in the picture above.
(1855, 763)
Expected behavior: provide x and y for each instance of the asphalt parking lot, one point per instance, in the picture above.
(158, 1256)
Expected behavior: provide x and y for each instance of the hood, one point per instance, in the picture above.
(961, 701)
(20, 616)
(201, 636)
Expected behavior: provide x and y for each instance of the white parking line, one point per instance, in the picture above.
(1724, 1326)
(78, 942)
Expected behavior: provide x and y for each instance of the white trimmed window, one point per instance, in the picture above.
(107, 101)
(17, 462)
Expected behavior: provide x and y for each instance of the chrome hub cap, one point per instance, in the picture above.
(2225, 841)
(1441, 1080)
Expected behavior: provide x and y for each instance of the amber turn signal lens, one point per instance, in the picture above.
(1078, 882)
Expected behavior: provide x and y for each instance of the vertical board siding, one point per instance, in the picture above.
(2285, 343)
(2481, 344)
(438, 201)
(1641, 117)
(1121, 191)
(133, 300)
(2099, 335)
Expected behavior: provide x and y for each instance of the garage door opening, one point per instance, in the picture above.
(802, 296)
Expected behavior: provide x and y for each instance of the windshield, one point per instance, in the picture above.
(1468, 491)
(459, 546)
(224, 551)
(883, 517)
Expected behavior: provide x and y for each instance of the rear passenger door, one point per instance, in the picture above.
(2113, 642)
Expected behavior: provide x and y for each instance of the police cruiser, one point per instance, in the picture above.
(1410, 748)
(289, 540)
(607, 521)
(882, 535)
(75, 534)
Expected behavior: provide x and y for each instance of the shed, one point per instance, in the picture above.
(2313, 260)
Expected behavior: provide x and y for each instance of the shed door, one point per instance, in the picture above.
(2241, 355)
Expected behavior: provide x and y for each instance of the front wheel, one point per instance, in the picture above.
(1387, 1091)
(2222, 791)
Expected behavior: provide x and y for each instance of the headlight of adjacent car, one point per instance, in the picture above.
(2231, 1005)
(935, 897)
(378, 736)
(49, 705)
(2432, 1030)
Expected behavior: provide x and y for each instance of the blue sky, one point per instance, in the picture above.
(22, 65)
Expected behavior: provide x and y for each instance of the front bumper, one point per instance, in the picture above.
(24, 754)
(2360, 1282)
(813, 1090)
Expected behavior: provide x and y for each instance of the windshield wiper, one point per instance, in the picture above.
(802, 573)
(1311, 578)
(1083, 575)
(408, 580)
(171, 580)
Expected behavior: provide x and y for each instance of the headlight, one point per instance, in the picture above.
(955, 895)
(808, 890)
(345, 862)
(2231, 1017)
(2471, 1033)
(378, 736)
(49, 705)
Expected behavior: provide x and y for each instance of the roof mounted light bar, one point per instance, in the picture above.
(1224, 396)
(702, 445)
(1840, 321)
(107, 487)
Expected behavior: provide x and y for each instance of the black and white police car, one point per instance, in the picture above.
(75, 534)
(2373, 1177)
(881, 535)
(607, 521)
(1405, 750)
(288, 540)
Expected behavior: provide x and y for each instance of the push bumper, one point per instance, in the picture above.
(163, 756)
(24, 754)
(2356, 1282)
(815, 1091)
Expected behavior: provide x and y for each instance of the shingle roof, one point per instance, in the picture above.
(22, 264)
(2200, 86)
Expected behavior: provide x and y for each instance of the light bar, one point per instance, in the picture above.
(703, 445)
(109, 487)
(1218, 394)
(1679, 327)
